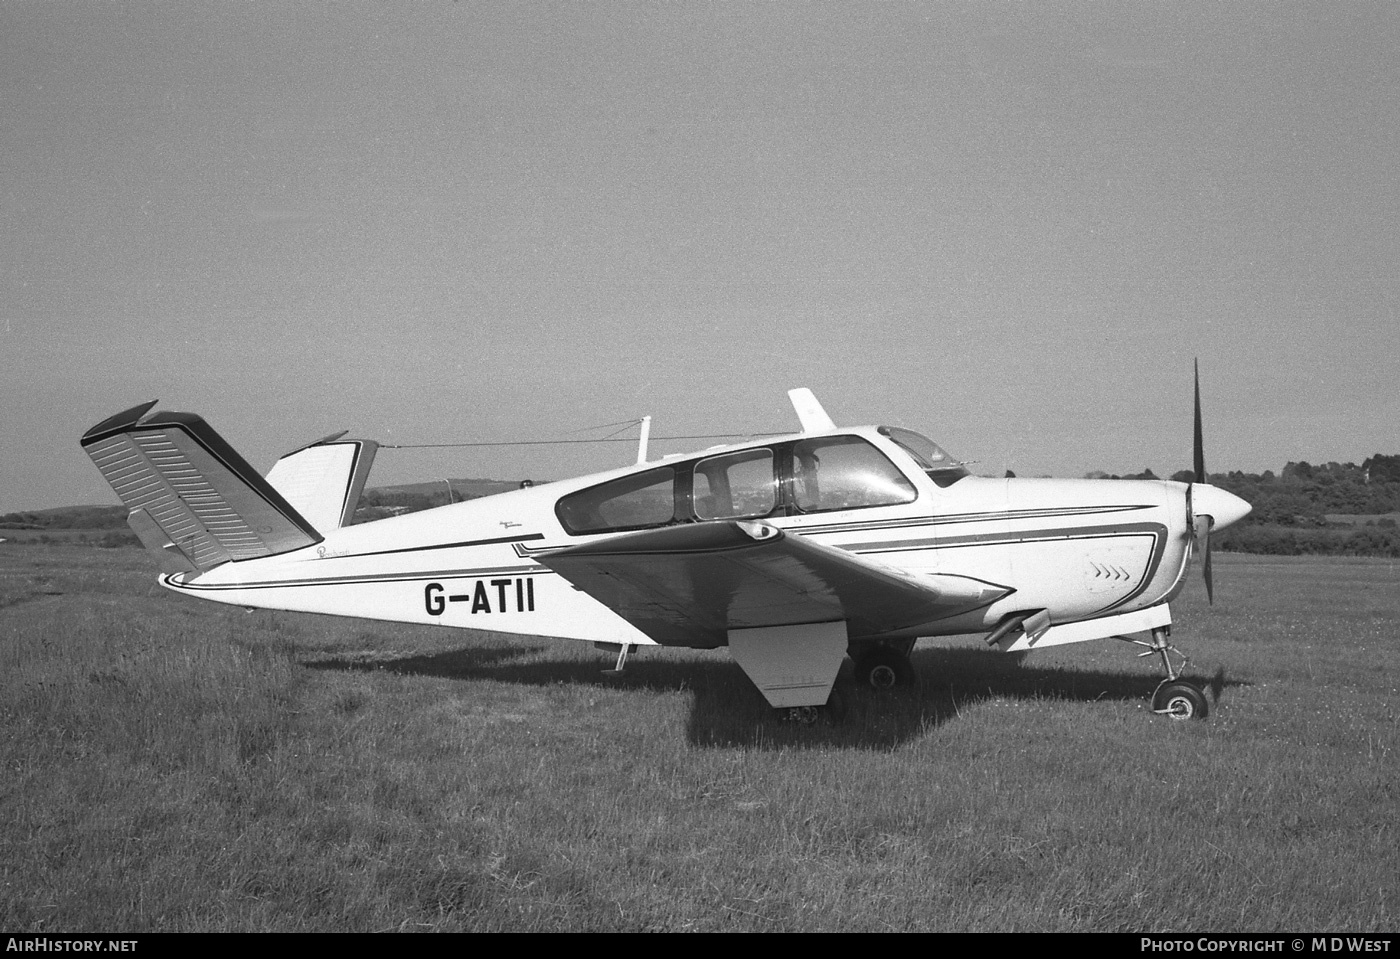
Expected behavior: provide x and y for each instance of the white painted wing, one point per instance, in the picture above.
(689, 585)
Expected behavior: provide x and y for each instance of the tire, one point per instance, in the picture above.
(881, 669)
(1180, 700)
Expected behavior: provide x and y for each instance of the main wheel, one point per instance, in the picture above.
(882, 668)
(1180, 700)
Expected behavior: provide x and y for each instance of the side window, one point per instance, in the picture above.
(845, 472)
(632, 502)
(736, 485)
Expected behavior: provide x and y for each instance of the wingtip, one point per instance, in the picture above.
(118, 422)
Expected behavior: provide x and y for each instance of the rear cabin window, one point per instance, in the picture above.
(735, 486)
(632, 502)
(845, 472)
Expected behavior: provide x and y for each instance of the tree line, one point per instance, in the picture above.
(1336, 509)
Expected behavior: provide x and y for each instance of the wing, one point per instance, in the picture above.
(689, 585)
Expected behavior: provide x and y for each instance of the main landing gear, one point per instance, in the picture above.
(883, 666)
(879, 667)
(833, 712)
(1175, 698)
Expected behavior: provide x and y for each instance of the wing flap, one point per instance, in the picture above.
(689, 585)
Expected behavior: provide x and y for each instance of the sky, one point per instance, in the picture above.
(1010, 226)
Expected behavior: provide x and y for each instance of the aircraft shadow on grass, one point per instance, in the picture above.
(727, 711)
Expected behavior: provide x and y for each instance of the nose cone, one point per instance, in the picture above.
(1223, 508)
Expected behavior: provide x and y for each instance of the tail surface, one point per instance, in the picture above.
(323, 481)
(194, 501)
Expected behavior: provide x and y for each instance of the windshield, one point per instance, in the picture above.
(940, 467)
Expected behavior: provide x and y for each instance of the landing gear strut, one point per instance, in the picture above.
(1175, 698)
(623, 650)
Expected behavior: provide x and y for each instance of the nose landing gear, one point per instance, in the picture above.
(1175, 698)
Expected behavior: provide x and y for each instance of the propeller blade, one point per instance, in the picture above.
(1200, 450)
(1205, 569)
(1202, 525)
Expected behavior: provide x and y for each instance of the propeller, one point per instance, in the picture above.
(1201, 525)
(1199, 458)
(1208, 508)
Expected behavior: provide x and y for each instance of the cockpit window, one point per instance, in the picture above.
(940, 467)
(845, 472)
(638, 501)
(735, 485)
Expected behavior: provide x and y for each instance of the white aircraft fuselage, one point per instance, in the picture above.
(1080, 549)
(791, 550)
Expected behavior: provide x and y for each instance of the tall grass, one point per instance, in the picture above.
(171, 765)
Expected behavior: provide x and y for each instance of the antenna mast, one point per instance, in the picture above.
(642, 443)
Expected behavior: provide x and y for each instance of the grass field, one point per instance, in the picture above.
(170, 765)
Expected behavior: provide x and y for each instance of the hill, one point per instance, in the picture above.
(72, 523)
(1328, 509)
(67, 517)
(383, 501)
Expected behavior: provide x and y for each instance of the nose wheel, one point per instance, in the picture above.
(1178, 699)
(1175, 698)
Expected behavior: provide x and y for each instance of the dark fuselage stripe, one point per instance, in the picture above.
(1157, 531)
(470, 542)
(403, 577)
(1005, 537)
(959, 518)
